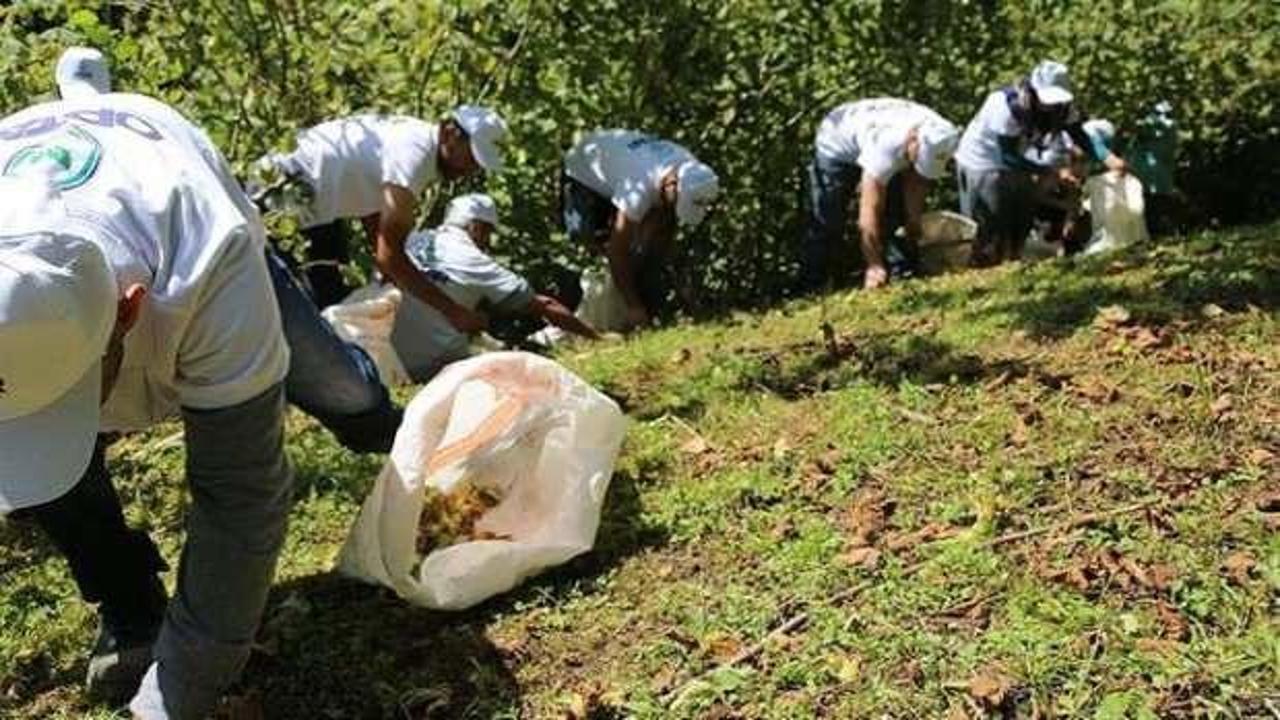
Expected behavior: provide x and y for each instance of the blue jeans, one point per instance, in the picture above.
(331, 380)
(832, 185)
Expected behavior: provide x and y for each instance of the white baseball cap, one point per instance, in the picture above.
(486, 129)
(57, 310)
(476, 206)
(81, 72)
(1100, 130)
(1052, 83)
(696, 188)
(938, 141)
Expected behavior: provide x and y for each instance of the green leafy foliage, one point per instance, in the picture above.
(743, 83)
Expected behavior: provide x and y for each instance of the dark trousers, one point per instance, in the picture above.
(832, 185)
(111, 564)
(588, 220)
(326, 253)
(1002, 202)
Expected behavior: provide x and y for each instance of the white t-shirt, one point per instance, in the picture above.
(625, 166)
(347, 162)
(422, 337)
(980, 144)
(872, 133)
(152, 190)
(1055, 152)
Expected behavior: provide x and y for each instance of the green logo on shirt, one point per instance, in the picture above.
(68, 159)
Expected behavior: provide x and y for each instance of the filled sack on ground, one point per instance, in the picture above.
(366, 318)
(498, 472)
(1118, 211)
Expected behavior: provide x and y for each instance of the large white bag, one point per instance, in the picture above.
(1115, 201)
(516, 425)
(366, 318)
(603, 306)
(946, 241)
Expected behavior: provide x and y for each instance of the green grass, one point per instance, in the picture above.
(974, 406)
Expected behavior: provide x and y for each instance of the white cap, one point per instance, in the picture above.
(82, 71)
(696, 188)
(57, 310)
(938, 141)
(1100, 130)
(465, 208)
(486, 130)
(1052, 83)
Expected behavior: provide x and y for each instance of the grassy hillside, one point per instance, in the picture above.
(1045, 491)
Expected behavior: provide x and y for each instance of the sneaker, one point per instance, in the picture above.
(122, 652)
(117, 664)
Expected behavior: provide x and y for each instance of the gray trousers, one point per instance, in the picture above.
(1002, 202)
(241, 490)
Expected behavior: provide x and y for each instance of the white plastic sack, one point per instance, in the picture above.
(516, 425)
(1115, 201)
(603, 306)
(946, 240)
(366, 318)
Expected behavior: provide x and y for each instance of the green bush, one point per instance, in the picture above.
(741, 82)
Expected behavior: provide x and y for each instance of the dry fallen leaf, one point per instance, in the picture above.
(990, 688)
(1144, 338)
(665, 680)
(577, 707)
(1096, 390)
(868, 517)
(1162, 576)
(1238, 566)
(865, 557)
(911, 673)
(722, 648)
(929, 533)
(1261, 456)
(829, 461)
(695, 445)
(785, 529)
(1111, 316)
(1269, 503)
(1173, 625)
(1157, 646)
(848, 668)
(1222, 406)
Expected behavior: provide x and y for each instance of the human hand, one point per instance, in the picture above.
(875, 277)
(1068, 177)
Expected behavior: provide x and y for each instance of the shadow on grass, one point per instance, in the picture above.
(339, 648)
(1054, 300)
(885, 359)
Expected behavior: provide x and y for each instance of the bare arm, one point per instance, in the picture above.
(554, 312)
(618, 250)
(870, 224)
(914, 187)
(393, 226)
